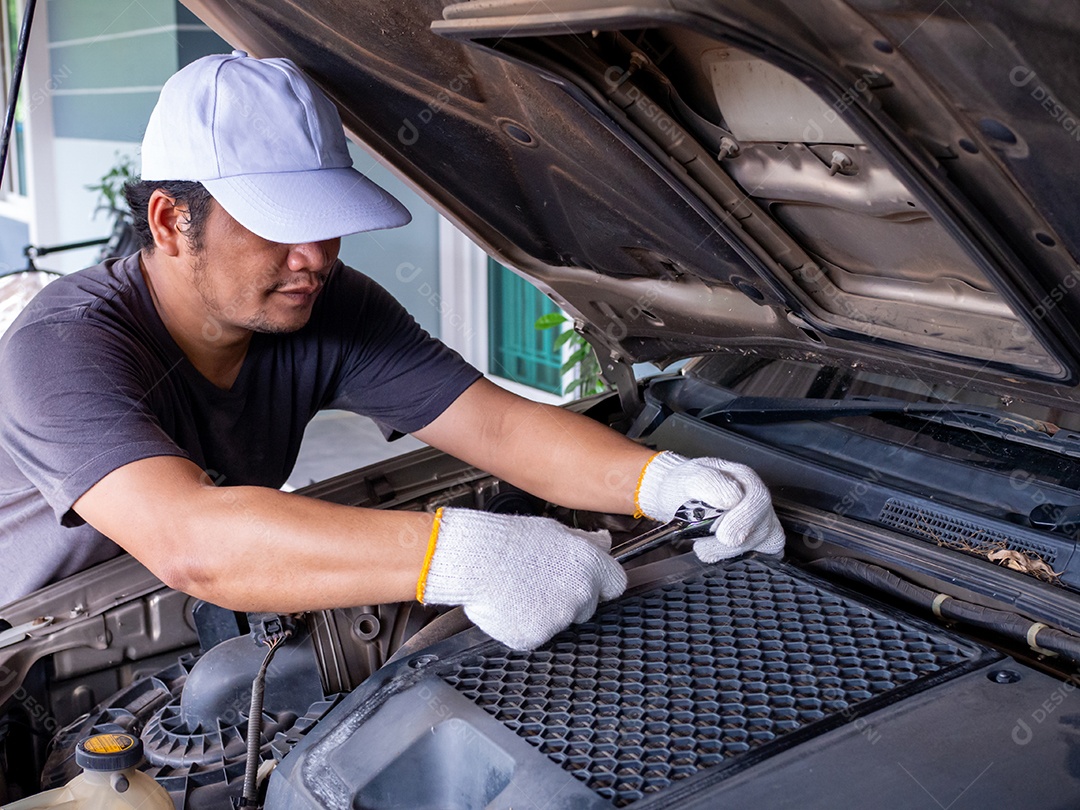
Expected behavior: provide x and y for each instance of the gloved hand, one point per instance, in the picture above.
(520, 579)
(748, 523)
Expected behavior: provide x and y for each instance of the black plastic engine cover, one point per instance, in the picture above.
(675, 694)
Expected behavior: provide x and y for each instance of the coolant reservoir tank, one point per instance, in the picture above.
(110, 780)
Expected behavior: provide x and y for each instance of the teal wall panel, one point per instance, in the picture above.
(104, 116)
(79, 19)
(86, 55)
(185, 16)
(143, 61)
(197, 44)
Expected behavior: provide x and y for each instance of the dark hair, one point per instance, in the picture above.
(189, 193)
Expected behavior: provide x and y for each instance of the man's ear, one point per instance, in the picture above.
(168, 221)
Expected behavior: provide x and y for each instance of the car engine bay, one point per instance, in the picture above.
(874, 287)
(888, 616)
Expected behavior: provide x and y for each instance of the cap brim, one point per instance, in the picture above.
(295, 207)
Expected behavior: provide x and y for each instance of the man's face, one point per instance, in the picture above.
(252, 283)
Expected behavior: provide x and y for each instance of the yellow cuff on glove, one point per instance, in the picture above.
(422, 582)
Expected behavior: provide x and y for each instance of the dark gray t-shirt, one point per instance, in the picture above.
(90, 380)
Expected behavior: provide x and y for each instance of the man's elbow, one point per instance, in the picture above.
(162, 511)
(216, 584)
(178, 554)
(182, 573)
(185, 569)
(208, 570)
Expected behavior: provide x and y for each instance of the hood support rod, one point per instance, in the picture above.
(16, 80)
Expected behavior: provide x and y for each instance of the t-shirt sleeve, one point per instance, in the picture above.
(75, 408)
(393, 370)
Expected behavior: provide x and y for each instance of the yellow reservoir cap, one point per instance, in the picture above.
(109, 752)
(109, 743)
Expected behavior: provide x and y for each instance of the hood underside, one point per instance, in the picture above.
(888, 183)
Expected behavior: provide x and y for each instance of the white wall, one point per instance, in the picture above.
(79, 163)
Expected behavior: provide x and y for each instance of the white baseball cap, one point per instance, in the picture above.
(268, 145)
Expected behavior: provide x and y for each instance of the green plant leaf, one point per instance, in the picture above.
(587, 386)
(575, 358)
(563, 337)
(549, 320)
(110, 187)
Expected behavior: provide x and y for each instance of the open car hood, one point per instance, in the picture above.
(872, 182)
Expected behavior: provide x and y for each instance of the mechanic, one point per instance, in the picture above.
(156, 403)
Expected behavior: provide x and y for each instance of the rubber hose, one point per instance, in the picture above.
(1011, 625)
(254, 731)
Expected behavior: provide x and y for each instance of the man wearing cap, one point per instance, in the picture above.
(156, 403)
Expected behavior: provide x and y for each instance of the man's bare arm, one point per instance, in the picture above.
(255, 548)
(553, 453)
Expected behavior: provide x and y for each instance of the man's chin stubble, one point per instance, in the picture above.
(264, 326)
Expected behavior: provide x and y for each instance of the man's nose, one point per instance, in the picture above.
(313, 256)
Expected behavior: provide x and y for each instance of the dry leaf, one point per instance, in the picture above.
(1018, 561)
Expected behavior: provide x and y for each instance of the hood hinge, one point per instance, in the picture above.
(619, 372)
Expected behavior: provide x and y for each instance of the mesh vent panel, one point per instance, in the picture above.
(954, 532)
(694, 674)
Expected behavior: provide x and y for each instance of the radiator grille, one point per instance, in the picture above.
(659, 686)
(955, 532)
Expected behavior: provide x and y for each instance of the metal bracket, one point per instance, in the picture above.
(619, 372)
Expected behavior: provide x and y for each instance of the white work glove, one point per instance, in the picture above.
(748, 523)
(520, 579)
